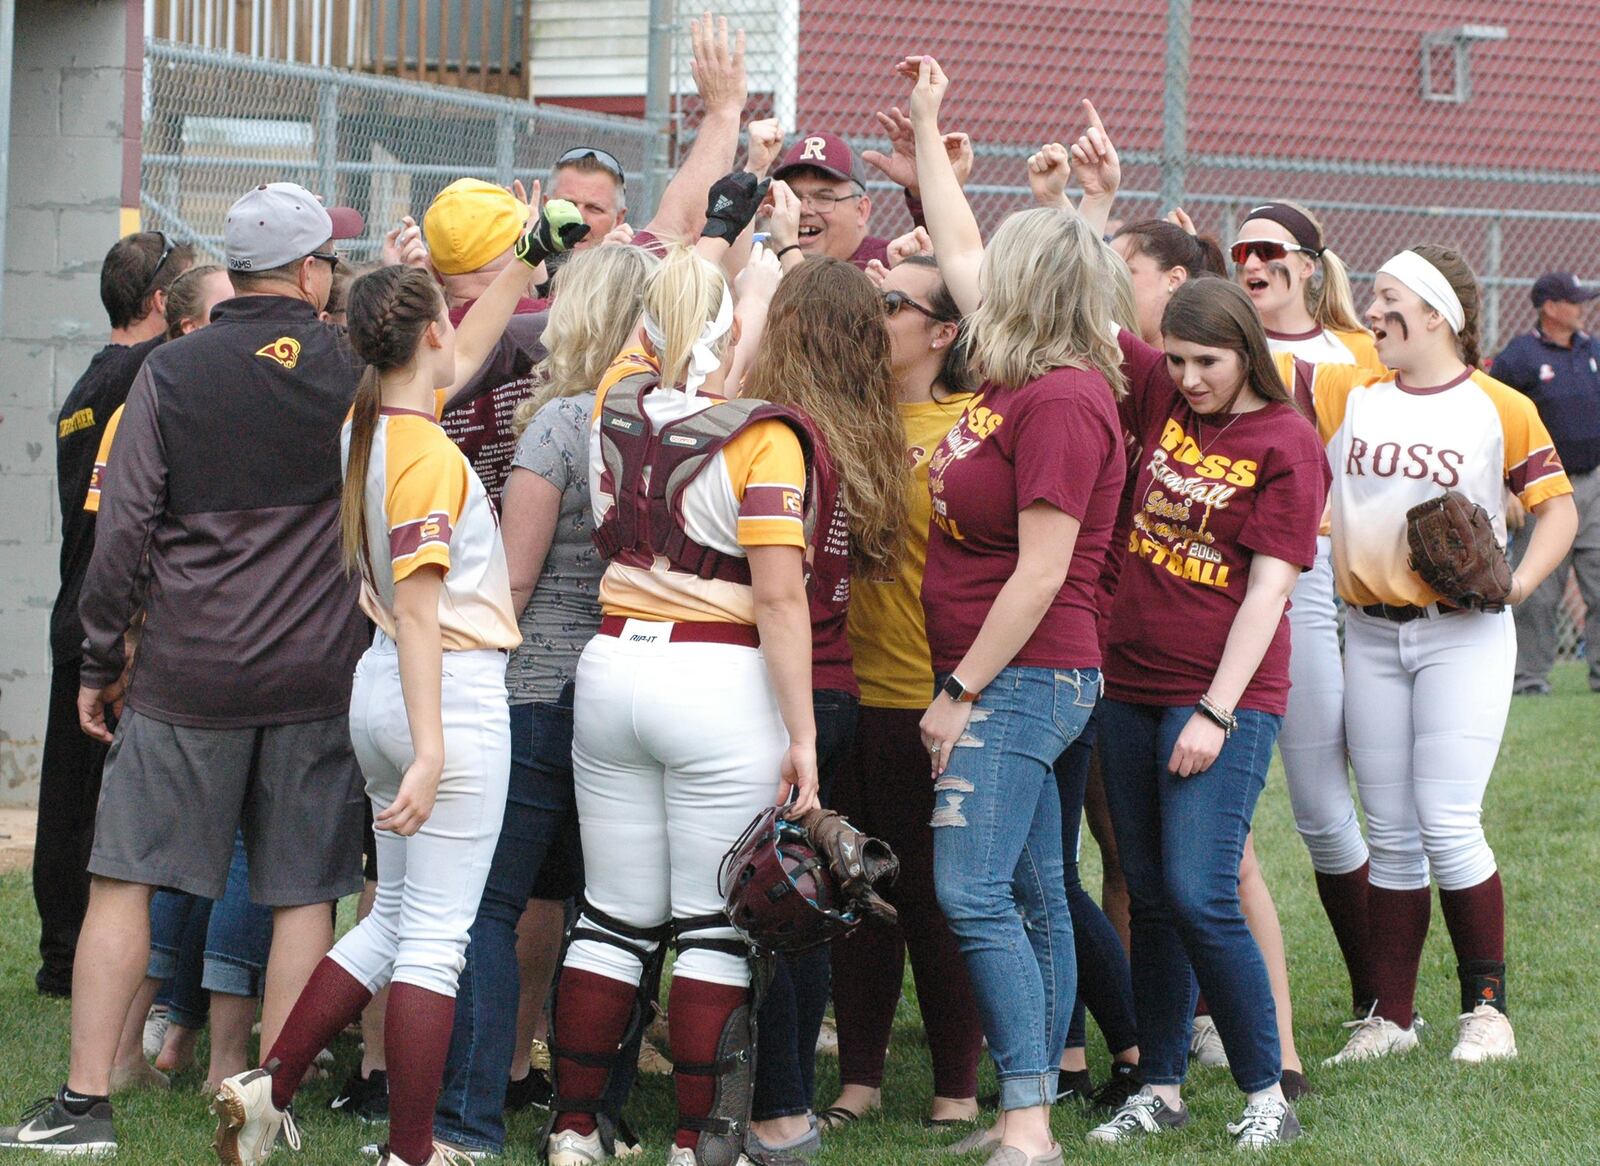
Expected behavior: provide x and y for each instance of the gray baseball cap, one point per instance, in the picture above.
(280, 222)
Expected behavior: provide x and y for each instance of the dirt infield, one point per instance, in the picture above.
(16, 839)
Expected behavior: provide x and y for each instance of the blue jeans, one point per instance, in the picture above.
(1181, 840)
(1104, 986)
(539, 805)
(200, 946)
(998, 869)
(791, 1012)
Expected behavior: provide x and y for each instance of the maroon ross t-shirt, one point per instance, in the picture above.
(1210, 496)
(1054, 440)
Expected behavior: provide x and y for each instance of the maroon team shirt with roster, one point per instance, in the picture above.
(1054, 440)
(1210, 495)
(828, 584)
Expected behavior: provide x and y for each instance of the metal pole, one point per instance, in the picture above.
(1175, 105)
(1489, 327)
(658, 105)
(8, 19)
(328, 140)
(505, 148)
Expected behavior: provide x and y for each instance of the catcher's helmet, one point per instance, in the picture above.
(780, 894)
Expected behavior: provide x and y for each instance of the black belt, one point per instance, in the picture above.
(1405, 613)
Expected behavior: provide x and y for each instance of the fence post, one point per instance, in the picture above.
(505, 148)
(1489, 341)
(328, 140)
(1175, 104)
(658, 104)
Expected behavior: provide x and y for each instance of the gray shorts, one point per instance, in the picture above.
(172, 798)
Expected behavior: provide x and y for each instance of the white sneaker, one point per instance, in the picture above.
(1485, 1035)
(155, 1031)
(248, 1123)
(683, 1156)
(1374, 1037)
(1265, 1124)
(570, 1148)
(1205, 1044)
(444, 1154)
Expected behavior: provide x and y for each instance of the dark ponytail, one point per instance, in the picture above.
(389, 310)
(1454, 267)
(1171, 246)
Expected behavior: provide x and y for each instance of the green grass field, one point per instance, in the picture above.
(1543, 821)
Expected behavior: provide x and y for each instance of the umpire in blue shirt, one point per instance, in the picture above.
(1557, 365)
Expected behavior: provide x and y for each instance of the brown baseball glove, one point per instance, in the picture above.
(1453, 550)
(858, 862)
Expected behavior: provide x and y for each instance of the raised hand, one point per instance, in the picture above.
(766, 143)
(1179, 218)
(621, 233)
(900, 164)
(782, 210)
(718, 65)
(403, 244)
(758, 281)
(931, 85)
(913, 242)
(557, 227)
(1048, 172)
(732, 203)
(1095, 166)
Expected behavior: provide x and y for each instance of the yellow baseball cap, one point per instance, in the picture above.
(471, 222)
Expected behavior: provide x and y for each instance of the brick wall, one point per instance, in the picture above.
(64, 179)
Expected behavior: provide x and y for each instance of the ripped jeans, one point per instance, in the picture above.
(998, 869)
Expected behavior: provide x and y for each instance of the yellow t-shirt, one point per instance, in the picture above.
(97, 477)
(752, 495)
(887, 635)
(1392, 447)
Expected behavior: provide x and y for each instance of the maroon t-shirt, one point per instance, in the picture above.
(1209, 496)
(482, 429)
(1142, 365)
(828, 585)
(1054, 440)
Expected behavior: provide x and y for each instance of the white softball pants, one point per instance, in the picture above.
(1312, 741)
(1425, 708)
(675, 748)
(429, 884)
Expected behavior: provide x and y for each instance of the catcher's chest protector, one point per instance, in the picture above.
(648, 469)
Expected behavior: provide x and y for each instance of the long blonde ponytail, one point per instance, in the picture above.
(681, 296)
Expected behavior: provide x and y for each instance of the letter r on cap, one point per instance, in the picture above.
(814, 150)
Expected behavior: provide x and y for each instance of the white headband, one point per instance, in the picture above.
(703, 357)
(1429, 283)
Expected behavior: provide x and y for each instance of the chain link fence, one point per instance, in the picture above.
(1465, 122)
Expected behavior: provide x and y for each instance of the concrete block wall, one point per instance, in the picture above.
(62, 215)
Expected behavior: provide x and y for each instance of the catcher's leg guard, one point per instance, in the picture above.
(648, 946)
(723, 1130)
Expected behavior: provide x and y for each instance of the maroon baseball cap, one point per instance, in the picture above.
(828, 153)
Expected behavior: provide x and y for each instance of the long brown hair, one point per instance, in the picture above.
(1218, 314)
(826, 352)
(389, 309)
(185, 295)
(1454, 267)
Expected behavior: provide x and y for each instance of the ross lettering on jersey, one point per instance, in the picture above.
(976, 425)
(1182, 448)
(815, 151)
(1390, 459)
(285, 350)
(408, 538)
(81, 420)
(1194, 564)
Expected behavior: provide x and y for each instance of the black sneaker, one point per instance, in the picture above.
(1265, 1124)
(534, 1089)
(1143, 1113)
(361, 1097)
(49, 1126)
(1073, 1086)
(1123, 1083)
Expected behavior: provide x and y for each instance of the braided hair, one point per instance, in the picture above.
(388, 312)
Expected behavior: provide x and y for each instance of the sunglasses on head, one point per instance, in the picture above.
(893, 301)
(607, 161)
(1267, 250)
(167, 248)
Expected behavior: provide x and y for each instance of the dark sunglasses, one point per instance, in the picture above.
(1266, 250)
(893, 301)
(331, 258)
(608, 161)
(167, 248)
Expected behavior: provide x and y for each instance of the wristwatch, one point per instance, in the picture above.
(958, 692)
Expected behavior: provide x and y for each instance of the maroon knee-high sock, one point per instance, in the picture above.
(591, 1018)
(1398, 922)
(697, 1011)
(1476, 918)
(1344, 899)
(421, 1021)
(331, 999)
